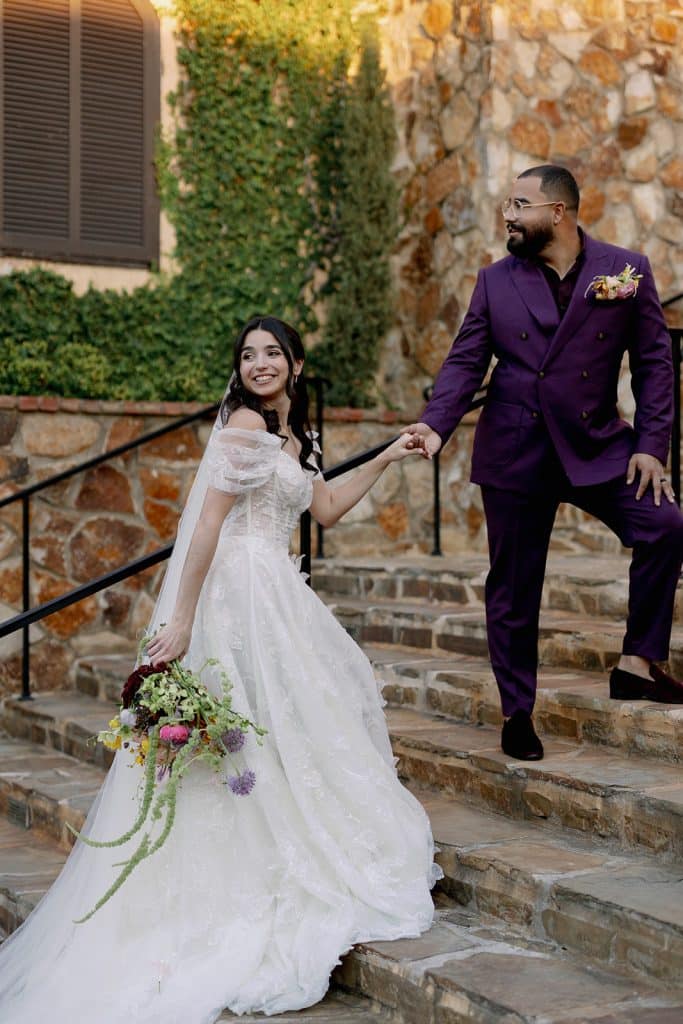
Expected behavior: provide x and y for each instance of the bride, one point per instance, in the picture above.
(252, 900)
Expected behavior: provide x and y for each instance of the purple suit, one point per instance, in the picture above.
(550, 432)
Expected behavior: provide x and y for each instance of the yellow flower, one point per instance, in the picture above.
(144, 744)
(114, 723)
(112, 742)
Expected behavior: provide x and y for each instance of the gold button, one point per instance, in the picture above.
(601, 336)
(524, 335)
(534, 415)
(584, 374)
(584, 415)
(541, 374)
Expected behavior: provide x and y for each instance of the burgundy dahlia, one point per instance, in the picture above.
(136, 679)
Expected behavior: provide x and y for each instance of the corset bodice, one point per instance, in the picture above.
(271, 488)
(272, 510)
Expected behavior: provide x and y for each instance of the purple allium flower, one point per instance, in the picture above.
(233, 740)
(242, 785)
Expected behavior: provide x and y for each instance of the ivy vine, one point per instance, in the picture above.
(277, 179)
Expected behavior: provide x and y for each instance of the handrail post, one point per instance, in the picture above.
(26, 596)
(305, 544)
(319, 384)
(437, 506)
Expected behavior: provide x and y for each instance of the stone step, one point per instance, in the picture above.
(566, 640)
(532, 881)
(29, 864)
(585, 584)
(634, 801)
(630, 803)
(622, 910)
(570, 704)
(464, 971)
(102, 676)
(64, 720)
(43, 790)
(336, 1008)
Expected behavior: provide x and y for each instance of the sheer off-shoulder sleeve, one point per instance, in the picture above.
(239, 460)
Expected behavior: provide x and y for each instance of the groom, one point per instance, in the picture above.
(558, 324)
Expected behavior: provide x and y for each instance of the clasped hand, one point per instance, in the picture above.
(423, 439)
(651, 473)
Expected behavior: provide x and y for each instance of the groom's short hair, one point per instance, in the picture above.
(557, 182)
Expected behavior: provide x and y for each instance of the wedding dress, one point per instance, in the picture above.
(252, 900)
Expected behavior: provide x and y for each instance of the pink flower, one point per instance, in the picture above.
(626, 290)
(174, 734)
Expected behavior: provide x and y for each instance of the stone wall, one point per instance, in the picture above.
(484, 90)
(99, 520)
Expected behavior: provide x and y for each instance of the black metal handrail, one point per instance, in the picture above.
(56, 604)
(29, 616)
(114, 453)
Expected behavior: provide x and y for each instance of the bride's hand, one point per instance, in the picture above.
(404, 445)
(168, 643)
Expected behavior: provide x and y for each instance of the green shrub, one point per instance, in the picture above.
(278, 169)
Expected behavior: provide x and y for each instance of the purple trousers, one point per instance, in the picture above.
(519, 527)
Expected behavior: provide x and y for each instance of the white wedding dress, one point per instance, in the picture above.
(252, 899)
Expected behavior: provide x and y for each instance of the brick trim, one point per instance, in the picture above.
(50, 403)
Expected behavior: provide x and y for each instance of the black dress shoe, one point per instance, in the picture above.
(660, 687)
(519, 738)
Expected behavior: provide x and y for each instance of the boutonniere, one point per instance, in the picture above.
(619, 286)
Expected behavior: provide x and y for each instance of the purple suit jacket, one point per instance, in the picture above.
(555, 381)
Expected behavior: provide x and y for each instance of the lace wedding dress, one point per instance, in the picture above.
(252, 899)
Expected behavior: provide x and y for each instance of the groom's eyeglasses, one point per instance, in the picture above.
(518, 205)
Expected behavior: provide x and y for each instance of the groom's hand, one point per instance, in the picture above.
(423, 437)
(651, 473)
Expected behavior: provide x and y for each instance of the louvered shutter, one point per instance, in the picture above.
(35, 171)
(80, 107)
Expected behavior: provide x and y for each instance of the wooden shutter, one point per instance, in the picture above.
(112, 126)
(35, 137)
(80, 107)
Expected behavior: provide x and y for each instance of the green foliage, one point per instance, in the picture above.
(278, 170)
(365, 204)
(43, 344)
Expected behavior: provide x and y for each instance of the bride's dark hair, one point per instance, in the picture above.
(237, 395)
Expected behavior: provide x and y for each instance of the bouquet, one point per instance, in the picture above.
(169, 720)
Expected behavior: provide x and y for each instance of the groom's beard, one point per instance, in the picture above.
(529, 241)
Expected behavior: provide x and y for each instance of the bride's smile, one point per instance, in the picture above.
(263, 366)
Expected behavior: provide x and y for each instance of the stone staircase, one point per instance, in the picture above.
(562, 897)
